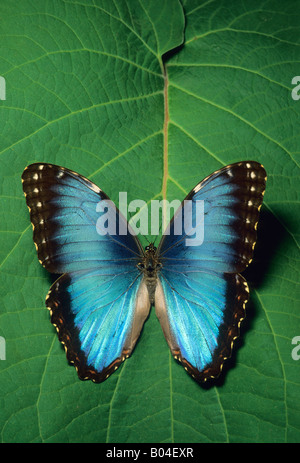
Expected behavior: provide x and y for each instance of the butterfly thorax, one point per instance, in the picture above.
(150, 266)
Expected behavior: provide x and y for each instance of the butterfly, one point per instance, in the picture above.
(108, 281)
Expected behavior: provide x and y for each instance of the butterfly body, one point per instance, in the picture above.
(108, 282)
(150, 267)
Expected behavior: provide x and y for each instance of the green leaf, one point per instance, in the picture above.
(151, 100)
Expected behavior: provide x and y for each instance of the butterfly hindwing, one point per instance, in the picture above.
(201, 297)
(98, 318)
(200, 314)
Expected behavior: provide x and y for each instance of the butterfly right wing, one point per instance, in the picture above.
(200, 299)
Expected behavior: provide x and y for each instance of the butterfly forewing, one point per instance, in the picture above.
(64, 211)
(232, 199)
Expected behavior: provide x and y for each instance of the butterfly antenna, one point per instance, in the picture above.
(132, 214)
(146, 238)
(159, 234)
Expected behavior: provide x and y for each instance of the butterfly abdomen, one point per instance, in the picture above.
(151, 283)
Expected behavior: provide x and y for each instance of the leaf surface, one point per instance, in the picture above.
(149, 101)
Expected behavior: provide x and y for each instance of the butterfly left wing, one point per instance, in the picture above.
(98, 318)
(100, 302)
(200, 299)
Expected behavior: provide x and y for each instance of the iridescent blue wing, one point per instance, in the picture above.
(65, 209)
(99, 305)
(98, 318)
(201, 297)
(200, 314)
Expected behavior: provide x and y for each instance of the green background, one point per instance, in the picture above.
(87, 85)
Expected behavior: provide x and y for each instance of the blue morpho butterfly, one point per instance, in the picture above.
(101, 301)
